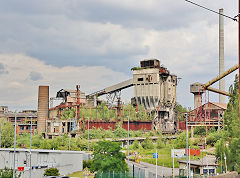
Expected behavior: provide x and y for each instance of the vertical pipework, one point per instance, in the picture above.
(221, 55)
(43, 108)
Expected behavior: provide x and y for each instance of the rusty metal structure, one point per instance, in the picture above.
(155, 89)
(43, 108)
(202, 111)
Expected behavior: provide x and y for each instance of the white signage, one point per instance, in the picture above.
(178, 153)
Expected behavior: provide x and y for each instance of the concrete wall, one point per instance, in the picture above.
(66, 161)
(157, 91)
(152, 90)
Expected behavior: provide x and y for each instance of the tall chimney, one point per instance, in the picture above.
(221, 56)
(43, 108)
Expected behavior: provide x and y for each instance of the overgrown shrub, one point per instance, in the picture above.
(180, 141)
(147, 144)
(135, 145)
(8, 173)
(159, 143)
(200, 131)
(87, 164)
(51, 172)
(212, 138)
(120, 133)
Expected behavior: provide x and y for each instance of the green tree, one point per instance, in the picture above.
(231, 127)
(7, 134)
(179, 109)
(108, 157)
(51, 172)
(180, 141)
(231, 115)
(220, 148)
(234, 154)
(68, 113)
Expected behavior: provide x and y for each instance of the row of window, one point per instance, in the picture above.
(27, 127)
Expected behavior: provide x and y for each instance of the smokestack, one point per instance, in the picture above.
(221, 56)
(43, 108)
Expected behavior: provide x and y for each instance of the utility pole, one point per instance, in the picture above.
(187, 141)
(69, 139)
(128, 140)
(173, 163)
(156, 163)
(189, 163)
(88, 135)
(14, 155)
(30, 170)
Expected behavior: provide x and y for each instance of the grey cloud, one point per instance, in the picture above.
(34, 76)
(55, 32)
(2, 69)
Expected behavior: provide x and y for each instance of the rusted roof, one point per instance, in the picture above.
(221, 105)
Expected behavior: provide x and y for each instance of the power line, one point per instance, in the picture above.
(234, 19)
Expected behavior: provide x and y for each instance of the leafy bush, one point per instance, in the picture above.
(180, 141)
(8, 173)
(159, 144)
(196, 142)
(51, 172)
(212, 138)
(68, 114)
(138, 133)
(82, 144)
(200, 131)
(87, 164)
(147, 144)
(135, 145)
(120, 133)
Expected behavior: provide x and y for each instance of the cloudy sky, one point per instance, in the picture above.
(95, 43)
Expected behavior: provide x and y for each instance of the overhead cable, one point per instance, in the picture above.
(232, 18)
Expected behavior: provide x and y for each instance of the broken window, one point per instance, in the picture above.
(140, 79)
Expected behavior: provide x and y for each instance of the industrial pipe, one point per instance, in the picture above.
(218, 91)
(214, 80)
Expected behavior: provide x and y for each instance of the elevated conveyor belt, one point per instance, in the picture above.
(113, 88)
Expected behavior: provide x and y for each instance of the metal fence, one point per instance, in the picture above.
(113, 175)
(136, 171)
